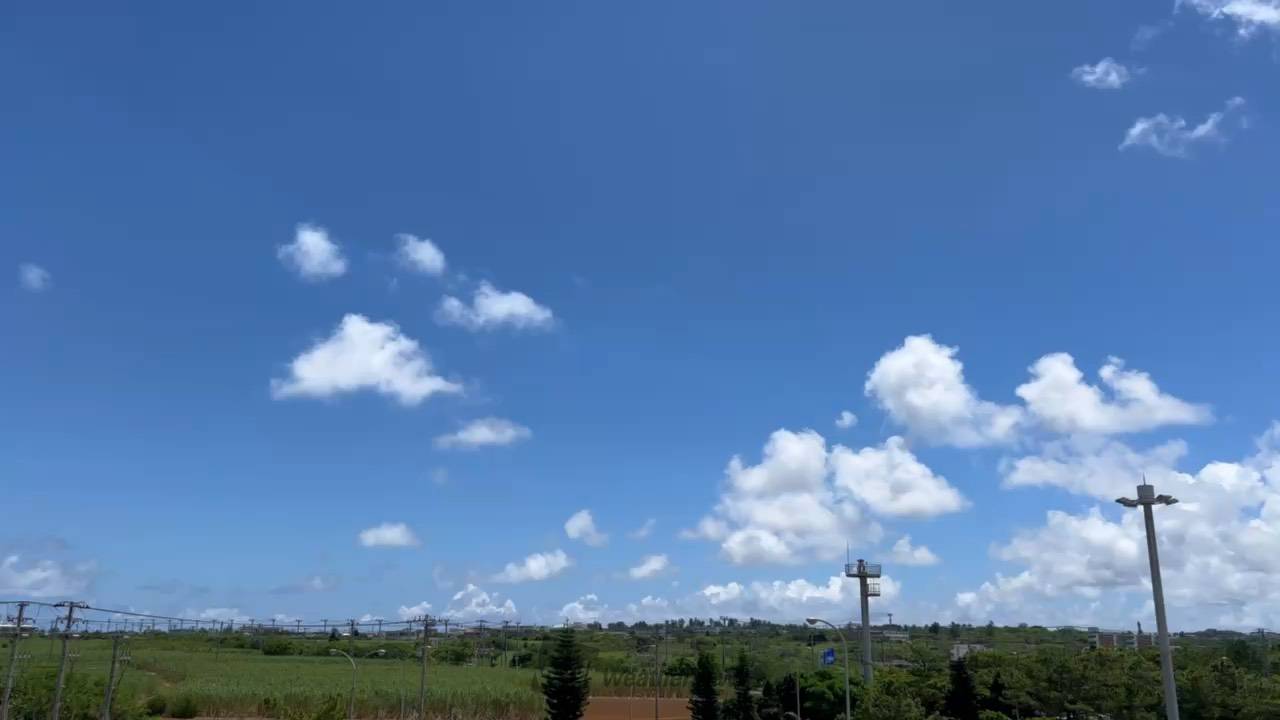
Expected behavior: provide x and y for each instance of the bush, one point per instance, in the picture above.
(155, 705)
(183, 708)
(277, 646)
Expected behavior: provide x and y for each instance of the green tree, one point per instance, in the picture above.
(742, 707)
(565, 682)
(996, 701)
(961, 702)
(704, 697)
(333, 635)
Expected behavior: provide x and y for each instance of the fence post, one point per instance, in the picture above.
(13, 663)
(111, 678)
(62, 663)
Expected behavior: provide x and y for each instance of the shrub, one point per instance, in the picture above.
(155, 705)
(277, 646)
(184, 707)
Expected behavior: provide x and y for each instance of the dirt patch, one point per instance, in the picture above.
(616, 708)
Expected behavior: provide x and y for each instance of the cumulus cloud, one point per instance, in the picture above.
(33, 278)
(921, 386)
(419, 254)
(388, 534)
(538, 566)
(582, 526)
(803, 503)
(1058, 397)
(313, 255)
(491, 309)
(485, 432)
(473, 603)
(891, 481)
(650, 566)
(846, 420)
(904, 553)
(364, 355)
(784, 510)
(410, 612)
(586, 609)
(44, 578)
(1172, 136)
(1225, 527)
(1106, 74)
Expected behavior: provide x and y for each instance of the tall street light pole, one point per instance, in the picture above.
(1146, 499)
(848, 710)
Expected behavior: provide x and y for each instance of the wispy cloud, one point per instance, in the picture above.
(491, 309)
(1173, 136)
(33, 278)
(538, 566)
(484, 432)
(1106, 74)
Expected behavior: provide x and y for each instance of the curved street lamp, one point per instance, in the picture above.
(848, 714)
(351, 698)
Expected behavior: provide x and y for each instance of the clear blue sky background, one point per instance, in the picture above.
(733, 208)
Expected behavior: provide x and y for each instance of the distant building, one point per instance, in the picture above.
(960, 651)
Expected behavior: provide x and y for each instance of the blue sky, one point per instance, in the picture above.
(669, 230)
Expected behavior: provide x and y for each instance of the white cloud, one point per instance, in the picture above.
(389, 534)
(1147, 34)
(787, 601)
(644, 530)
(419, 254)
(217, 614)
(586, 609)
(1058, 397)
(1107, 74)
(472, 603)
(538, 566)
(581, 526)
(785, 509)
(921, 385)
(364, 355)
(891, 481)
(33, 278)
(312, 254)
(491, 308)
(904, 553)
(846, 420)
(1172, 136)
(1248, 15)
(485, 432)
(1226, 527)
(802, 503)
(44, 578)
(409, 612)
(650, 566)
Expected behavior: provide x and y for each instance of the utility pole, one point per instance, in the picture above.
(351, 638)
(62, 664)
(422, 676)
(1146, 499)
(111, 677)
(13, 663)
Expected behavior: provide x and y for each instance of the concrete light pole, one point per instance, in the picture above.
(1146, 498)
(848, 708)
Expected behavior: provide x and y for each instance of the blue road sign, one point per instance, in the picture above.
(829, 656)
